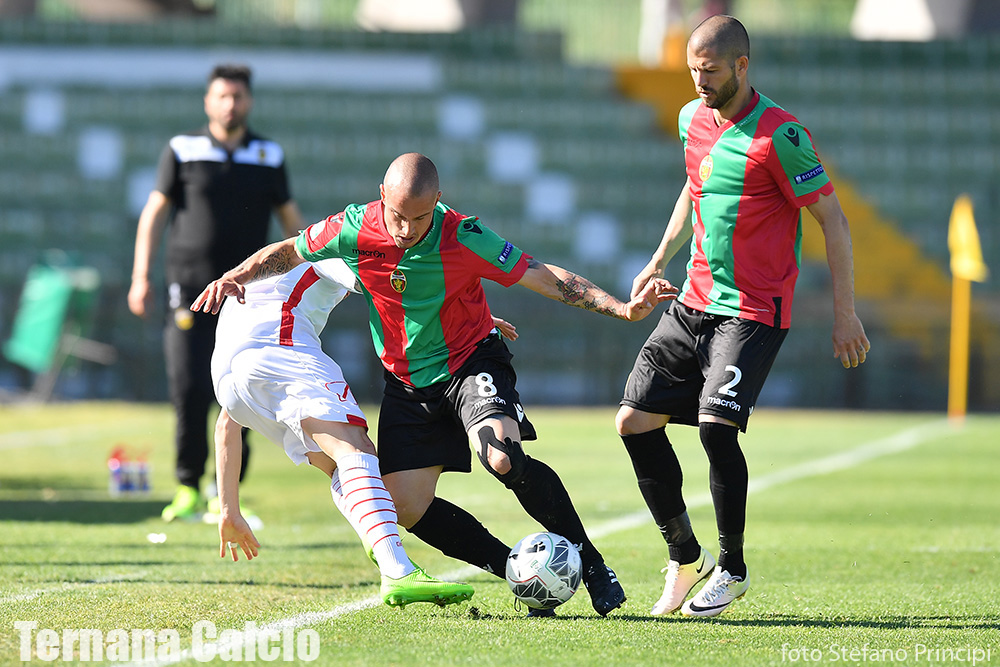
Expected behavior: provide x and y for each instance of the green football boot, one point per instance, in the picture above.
(186, 505)
(418, 586)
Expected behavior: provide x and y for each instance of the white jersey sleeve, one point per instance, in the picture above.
(289, 310)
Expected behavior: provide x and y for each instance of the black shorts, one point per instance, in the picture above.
(420, 427)
(697, 363)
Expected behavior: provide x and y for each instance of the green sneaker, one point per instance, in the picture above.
(418, 586)
(185, 505)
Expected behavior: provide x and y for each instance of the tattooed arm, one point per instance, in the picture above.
(271, 260)
(562, 285)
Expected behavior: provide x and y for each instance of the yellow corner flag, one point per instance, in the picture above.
(963, 243)
(966, 265)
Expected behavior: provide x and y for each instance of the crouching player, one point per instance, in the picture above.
(271, 375)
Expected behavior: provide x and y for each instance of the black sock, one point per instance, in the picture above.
(731, 555)
(456, 533)
(659, 475)
(728, 478)
(545, 499)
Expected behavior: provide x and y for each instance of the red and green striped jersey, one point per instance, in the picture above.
(749, 179)
(426, 305)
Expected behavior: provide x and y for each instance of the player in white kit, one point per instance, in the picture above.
(271, 375)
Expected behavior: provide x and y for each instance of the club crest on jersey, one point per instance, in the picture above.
(398, 281)
(705, 170)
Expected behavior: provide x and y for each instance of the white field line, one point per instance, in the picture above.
(64, 435)
(892, 444)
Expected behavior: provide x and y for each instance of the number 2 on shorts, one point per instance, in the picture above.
(727, 389)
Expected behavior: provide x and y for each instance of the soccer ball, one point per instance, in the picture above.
(544, 570)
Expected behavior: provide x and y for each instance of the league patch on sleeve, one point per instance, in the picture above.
(506, 252)
(809, 175)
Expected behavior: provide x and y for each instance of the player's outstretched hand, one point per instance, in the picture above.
(235, 533)
(642, 279)
(506, 329)
(850, 344)
(642, 304)
(211, 298)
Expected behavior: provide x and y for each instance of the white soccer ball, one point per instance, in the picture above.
(544, 570)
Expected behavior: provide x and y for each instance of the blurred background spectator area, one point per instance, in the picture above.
(549, 121)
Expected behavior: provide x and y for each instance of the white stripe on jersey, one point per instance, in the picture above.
(198, 148)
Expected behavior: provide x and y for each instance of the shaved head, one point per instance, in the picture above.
(722, 34)
(412, 175)
(410, 196)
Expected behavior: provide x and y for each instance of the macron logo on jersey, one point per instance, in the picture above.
(812, 173)
(377, 254)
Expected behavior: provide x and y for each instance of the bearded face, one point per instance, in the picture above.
(717, 98)
(227, 104)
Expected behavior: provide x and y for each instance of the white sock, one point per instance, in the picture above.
(360, 495)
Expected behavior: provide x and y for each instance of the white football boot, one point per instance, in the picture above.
(715, 596)
(680, 581)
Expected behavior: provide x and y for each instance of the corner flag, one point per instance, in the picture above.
(966, 265)
(963, 243)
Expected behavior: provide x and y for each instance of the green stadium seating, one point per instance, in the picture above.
(908, 150)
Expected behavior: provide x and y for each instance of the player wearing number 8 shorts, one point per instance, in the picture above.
(751, 166)
(449, 381)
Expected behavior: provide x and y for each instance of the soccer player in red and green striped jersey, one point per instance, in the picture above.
(449, 381)
(751, 166)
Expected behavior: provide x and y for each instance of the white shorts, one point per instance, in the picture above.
(272, 389)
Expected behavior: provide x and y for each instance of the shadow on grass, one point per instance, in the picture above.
(242, 583)
(262, 583)
(97, 563)
(782, 621)
(80, 511)
(212, 544)
(792, 621)
(36, 482)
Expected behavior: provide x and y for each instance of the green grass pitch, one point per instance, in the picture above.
(871, 538)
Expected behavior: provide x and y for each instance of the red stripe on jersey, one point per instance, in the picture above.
(764, 259)
(471, 321)
(331, 227)
(374, 273)
(307, 280)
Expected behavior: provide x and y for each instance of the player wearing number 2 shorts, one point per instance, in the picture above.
(751, 167)
(449, 381)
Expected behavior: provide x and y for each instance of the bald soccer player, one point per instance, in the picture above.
(449, 381)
